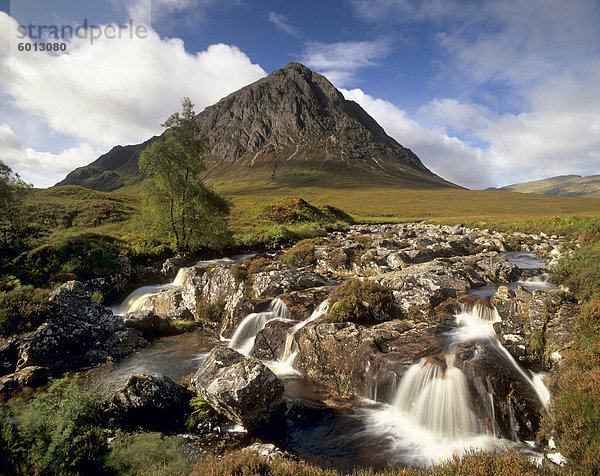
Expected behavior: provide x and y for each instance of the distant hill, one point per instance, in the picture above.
(292, 128)
(563, 186)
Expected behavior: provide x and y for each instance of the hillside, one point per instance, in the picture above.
(563, 186)
(291, 128)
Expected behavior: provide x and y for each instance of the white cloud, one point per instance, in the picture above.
(42, 168)
(117, 91)
(446, 156)
(282, 24)
(340, 61)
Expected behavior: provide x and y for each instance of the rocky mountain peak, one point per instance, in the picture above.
(293, 121)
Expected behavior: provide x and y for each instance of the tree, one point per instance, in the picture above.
(178, 206)
(12, 191)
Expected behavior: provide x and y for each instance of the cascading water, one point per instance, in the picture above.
(245, 334)
(138, 299)
(290, 350)
(477, 323)
(437, 398)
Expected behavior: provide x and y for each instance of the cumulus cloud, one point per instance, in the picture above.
(340, 61)
(446, 156)
(524, 75)
(282, 24)
(42, 168)
(117, 91)
(120, 90)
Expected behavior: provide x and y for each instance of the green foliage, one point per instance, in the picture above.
(365, 302)
(210, 312)
(148, 454)
(58, 431)
(297, 210)
(201, 410)
(300, 255)
(580, 271)
(177, 205)
(81, 257)
(574, 419)
(23, 310)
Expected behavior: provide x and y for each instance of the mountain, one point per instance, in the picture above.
(292, 127)
(563, 186)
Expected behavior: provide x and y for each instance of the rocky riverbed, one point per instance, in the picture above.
(428, 275)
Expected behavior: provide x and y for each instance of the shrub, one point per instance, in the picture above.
(58, 431)
(361, 301)
(23, 310)
(580, 271)
(148, 454)
(300, 255)
(211, 312)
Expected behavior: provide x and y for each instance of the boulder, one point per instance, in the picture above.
(82, 334)
(280, 279)
(150, 400)
(364, 361)
(240, 388)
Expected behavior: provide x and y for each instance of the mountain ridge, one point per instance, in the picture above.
(560, 185)
(292, 126)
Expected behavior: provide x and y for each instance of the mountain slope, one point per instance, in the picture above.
(290, 128)
(563, 186)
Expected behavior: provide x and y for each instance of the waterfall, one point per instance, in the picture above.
(437, 398)
(290, 350)
(478, 323)
(138, 299)
(245, 334)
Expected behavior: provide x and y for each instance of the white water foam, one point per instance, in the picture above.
(245, 334)
(290, 350)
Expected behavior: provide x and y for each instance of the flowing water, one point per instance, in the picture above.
(245, 334)
(429, 418)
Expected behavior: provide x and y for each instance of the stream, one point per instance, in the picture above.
(428, 419)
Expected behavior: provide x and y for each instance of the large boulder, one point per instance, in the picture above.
(82, 334)
(279, 279)
(365, 361)
(240, 388)
(153, 401)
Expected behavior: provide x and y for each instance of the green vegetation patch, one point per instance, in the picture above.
(364, 302)
(77, 257)
(301, 254)
(23, 310)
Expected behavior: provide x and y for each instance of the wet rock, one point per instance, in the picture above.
(361, 360)
(302, 303)
(34, 376)
(270, 341)
(151, 401)
(267, 451)
(500, 392)
(240, 388)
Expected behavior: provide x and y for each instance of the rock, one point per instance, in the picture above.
(267, 451)
(270, 341)
(82, 334)
(516, 409)
(365, 361)
(9, 352)
(240, 388)
(282, 279)
(144, 320)
(150, 400)
(33, 376)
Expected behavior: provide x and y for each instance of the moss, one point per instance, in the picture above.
(365, 302)
(211, 312)
(300, 255)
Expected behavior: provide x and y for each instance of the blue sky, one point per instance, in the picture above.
(486, 93)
